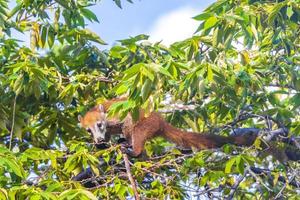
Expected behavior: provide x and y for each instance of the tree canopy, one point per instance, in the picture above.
(240, 73)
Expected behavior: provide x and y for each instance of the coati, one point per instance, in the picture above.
(146, 127)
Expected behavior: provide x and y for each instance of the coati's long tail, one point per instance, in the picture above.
(204, 141)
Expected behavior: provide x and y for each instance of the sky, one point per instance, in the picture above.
(167, 21)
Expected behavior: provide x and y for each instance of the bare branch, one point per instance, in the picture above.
(236, 185)
(104, 79)
(267, 173)
(282, 86)
(133, 185)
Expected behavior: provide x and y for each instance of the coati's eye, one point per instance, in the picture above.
(89, 130)
(100, 125)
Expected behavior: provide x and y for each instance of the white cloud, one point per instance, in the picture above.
(174, 26)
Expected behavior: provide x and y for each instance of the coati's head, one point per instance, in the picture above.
(94, 121)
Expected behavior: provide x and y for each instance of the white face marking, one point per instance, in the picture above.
(98, 130)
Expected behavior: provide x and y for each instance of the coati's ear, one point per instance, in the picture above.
(79, 118)
(101, 108)
(103, 115)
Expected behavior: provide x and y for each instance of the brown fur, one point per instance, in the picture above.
(137, 133)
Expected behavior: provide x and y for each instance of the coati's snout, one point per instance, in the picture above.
(95, 123)
(98, 131)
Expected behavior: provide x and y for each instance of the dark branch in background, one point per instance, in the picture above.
(268, 173)
(291, 150)
(246, 115)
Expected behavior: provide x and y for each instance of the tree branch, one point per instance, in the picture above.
(267, 173)
(133, 185)
(236, 185)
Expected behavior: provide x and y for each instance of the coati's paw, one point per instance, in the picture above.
(121, 141)
(126, 148)
(101, 145)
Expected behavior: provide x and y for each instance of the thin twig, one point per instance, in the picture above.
(258, 179)
(133, 185)
(279, 194)
(104, 79)
(236, 185)
(282, 86)
(208, 191)
(13, 122)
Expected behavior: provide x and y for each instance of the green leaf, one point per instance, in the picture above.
(240, 164)
(203, 16)
(89, 35)
(274, 12)
(51, 37)
(254, 31)
(121, 89)
(71, 163)
(118, 3)
(89, 14)
(160, 69)
(3, 194)
(135, 114)
(42, 40)
(133, 69)
(217, 37)
(289, 11)
(146, 89)
(295, 100)
(88, 194)
(14, 10)
(116, 51)
(229, 165)
(210, 22)
(133, 40)
(245, 58)
(18, 85)
(13, 166)
(147, 73)
(209, 73)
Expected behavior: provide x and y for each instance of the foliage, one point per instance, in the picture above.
(243, 58)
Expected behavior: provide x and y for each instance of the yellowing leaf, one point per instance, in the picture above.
(209, 74)
(245, 58)
(210, 22)
(229, 165)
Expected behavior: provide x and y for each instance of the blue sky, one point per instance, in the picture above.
(164, 20)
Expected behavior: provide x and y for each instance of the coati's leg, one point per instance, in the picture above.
(144, 130)
(138, 140)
